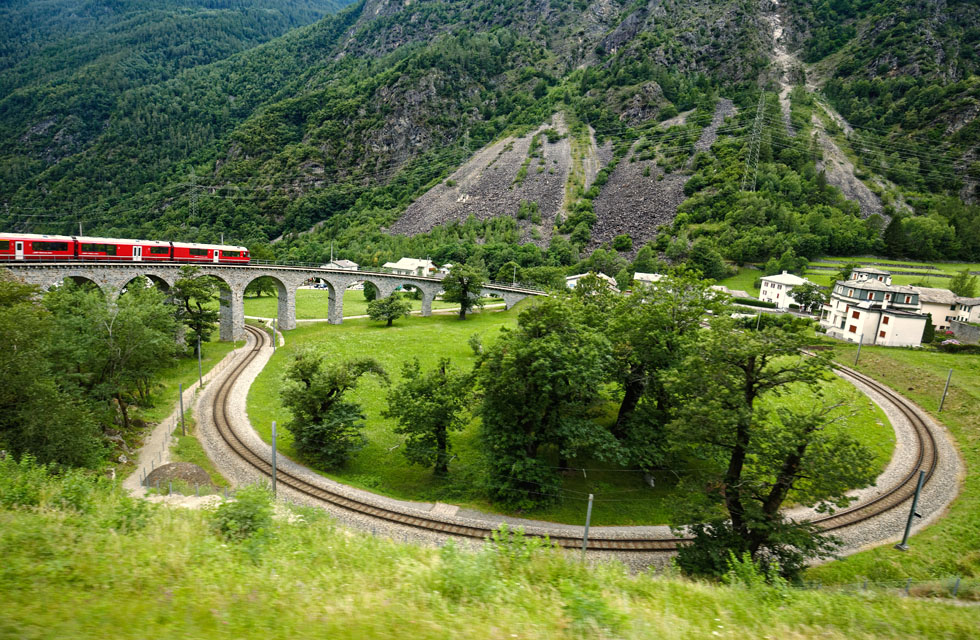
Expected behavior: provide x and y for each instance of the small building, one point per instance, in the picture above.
(646, 278)
(345, 265)
(572, 281)
(412, 267)
(967, 310)
(869, 311)
(775, 289)
(734, 293)
(940, 304)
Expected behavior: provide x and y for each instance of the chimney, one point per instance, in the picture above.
(785, 272)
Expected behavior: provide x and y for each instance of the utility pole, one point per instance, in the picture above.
(752, 161)
(80, 228)
(273, 459)
(200, 370)
(183, 430)
(588, 520)
(904, 544)
(945, 390)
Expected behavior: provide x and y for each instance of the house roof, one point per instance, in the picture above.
(968, 302)
(647, 277)
(874, 285)
(786, 278)
(735, 293)
(873, 270)
(410, 264)
(938, 296)
(344, 263)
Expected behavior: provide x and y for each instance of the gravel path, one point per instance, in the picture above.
(936, 496)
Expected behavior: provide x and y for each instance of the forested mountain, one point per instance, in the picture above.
(598, 120)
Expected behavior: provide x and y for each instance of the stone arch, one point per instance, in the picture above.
(286, 294)
(156, 280)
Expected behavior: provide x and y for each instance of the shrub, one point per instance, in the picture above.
(753, 302)
(248, 515)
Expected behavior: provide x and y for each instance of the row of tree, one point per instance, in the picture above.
(75, 359)
(689, 384)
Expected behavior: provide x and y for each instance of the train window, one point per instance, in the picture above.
(4, 245)
(108, 249)
(231, 254)
(198, 252)
(160, 251)
(50, 246)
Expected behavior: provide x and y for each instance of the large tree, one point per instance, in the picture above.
(808, 295)
(41, 412)
(764, 454)
(428, 405)
(540, 385)
(325, 426)
(389, 309)
(112, 348)
(964, 284)
(195, 298)
(462, 286)
(650, 331)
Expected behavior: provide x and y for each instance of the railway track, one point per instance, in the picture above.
(891, 498)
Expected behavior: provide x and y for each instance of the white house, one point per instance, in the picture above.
(346, 265)
(940, 304)
(776, 289)
(412, 267)
(571, 281)
(646, 278)
(869, 311)
(967, 309)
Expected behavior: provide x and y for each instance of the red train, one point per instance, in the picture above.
(32, 247)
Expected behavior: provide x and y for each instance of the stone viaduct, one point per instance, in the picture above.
(113, 277)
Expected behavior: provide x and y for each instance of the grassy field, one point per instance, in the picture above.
(744, 280)
(312, 304)
(621, 496)
(950, 547)
(183, 371)
(106, 566)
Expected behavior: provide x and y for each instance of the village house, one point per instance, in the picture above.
(938, 303)
(870, 310)
(967, 309)
(412, 267)
(775, 289)
(345, 265)
(571, 281)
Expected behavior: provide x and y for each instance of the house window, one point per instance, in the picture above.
(850, 293)
(880, 279)
(871, 295)
(855, 314)
(888, 296)
(884, 320)
(881, 334)
(908, 299)
(853, 328)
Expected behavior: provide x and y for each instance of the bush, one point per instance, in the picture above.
(248, 515)
(622, 243)
(754, 302)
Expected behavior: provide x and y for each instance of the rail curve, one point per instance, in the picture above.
(890, 498)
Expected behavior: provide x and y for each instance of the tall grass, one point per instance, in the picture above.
(84, 560)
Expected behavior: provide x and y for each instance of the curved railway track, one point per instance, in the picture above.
(889, 499)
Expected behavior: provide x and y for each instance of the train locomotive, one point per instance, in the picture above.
(33, 247)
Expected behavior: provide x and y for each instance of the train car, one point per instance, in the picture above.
(30, 246)
(119, 249)
(214, 253)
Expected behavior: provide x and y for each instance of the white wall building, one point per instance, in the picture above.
(646, 278)
(412, 267)
(967, 309)
(870, 273)
(940, 304)
(869, 311)
(776, 289)
(571, 281)
(346, 265)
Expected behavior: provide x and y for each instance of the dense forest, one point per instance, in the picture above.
(186, 127)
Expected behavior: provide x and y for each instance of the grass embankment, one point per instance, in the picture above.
(621, 495)
(950, 547)
(84, 562)
(313, 304)
(187, 448)
(744, 280)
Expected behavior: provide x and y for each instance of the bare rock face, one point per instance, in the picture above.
(636, 204)
(490, 185)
